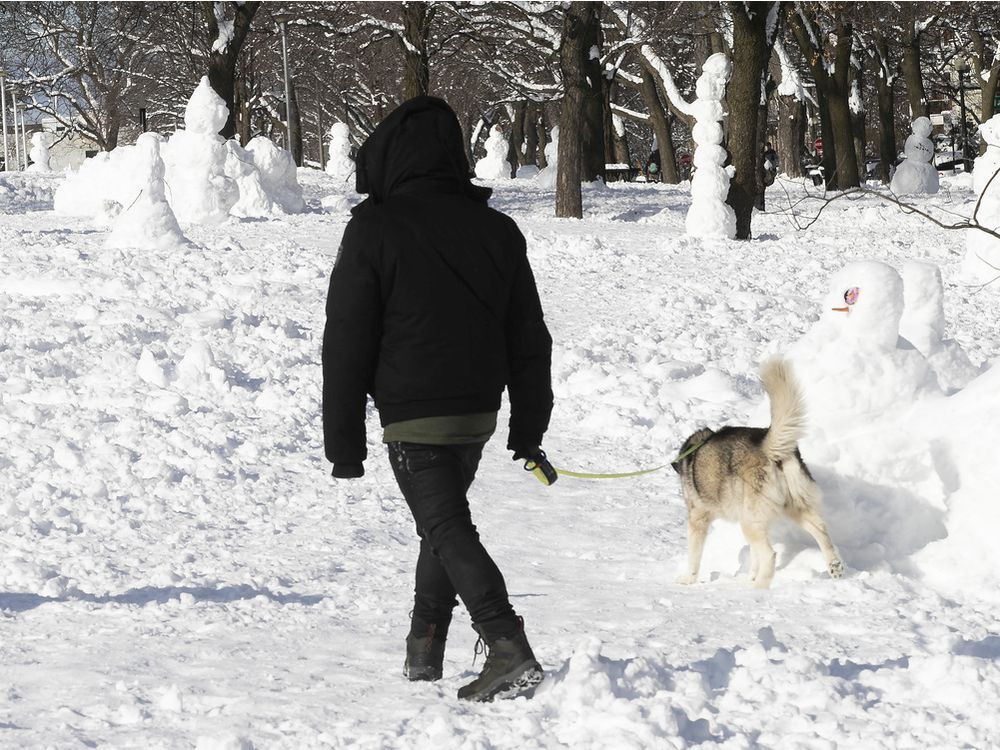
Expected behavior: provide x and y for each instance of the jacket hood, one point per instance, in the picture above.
(419, 145)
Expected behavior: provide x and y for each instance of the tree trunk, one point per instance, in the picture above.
(222, 61)
(416, 66)
(832, 91)
(910, 63)
(858, 117)
(659, 119)
(829, 157)
(843, 137)
(886, 112)
(578, 20)
(750, 55)
(542, 133)
(531, 133)
(515, 156)
(622, 154)
(984, 59)
(791, 135)
(594, 145)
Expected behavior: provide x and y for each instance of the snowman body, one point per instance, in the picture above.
(916, 175)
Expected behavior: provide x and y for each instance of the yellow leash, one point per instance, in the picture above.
(547, 474)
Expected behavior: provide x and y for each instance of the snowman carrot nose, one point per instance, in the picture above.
(841, 309)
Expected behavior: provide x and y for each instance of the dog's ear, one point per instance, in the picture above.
(676, 466)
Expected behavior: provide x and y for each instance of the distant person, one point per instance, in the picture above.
(653, 166)
(433, 311)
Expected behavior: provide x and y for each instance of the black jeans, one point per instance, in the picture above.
(434, 480)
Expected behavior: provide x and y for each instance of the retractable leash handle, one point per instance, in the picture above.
(542, 469)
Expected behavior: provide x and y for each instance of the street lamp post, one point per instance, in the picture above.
(17, 140)
(282, 20)
(962, 67)
(3, 110)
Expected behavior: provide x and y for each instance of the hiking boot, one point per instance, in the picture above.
(511, 669)
(424, 654)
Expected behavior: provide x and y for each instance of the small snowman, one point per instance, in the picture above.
(148, 222)
(494, 165)
(916, 175)
(709, 214)
(547, 177)
(923, 324)
(981, 264)
(853, 364)
(39, 153)
(340, 165)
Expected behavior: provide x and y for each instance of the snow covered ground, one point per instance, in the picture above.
(177, 569)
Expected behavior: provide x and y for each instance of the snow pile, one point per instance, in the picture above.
(494, 165)
(981, 264)
(278, 174)
(710, 215)
(240, 167)
(207, 178)
(916, 175)
(39, 153)
(148, 222)
(339, 163)
(923, 324)
(547, 177)
(963, 433)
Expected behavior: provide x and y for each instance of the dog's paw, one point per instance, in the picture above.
(686, 580)
(836, 569)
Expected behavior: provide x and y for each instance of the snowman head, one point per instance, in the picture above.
(922, 127)
(864, 304)
(991, 131)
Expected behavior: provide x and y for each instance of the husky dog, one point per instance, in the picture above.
(753, 475)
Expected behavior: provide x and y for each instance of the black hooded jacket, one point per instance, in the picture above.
(432, 306)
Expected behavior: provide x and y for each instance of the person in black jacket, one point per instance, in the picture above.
(433, 310)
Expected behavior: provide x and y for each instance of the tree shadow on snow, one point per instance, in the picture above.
(159, 595)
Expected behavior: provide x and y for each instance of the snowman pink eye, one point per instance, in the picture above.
(851, 295)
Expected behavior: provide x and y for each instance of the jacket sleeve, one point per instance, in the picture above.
(350, 344)
(529, 357)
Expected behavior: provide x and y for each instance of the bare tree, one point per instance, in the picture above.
(755, 26)
(79, 63)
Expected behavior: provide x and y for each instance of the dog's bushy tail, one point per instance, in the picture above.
(788, 410)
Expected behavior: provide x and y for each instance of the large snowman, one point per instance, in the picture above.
(494, 165)
(853, 364)
(710, 215)
(981, 264)
(916, 175)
